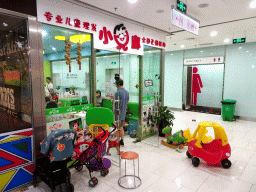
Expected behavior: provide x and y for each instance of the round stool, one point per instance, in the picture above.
(129, 156)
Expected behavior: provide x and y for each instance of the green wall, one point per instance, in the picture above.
(47, 70)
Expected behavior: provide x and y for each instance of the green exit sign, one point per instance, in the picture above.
(181, 7)
(239, 40)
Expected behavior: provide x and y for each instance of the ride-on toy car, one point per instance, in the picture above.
(215, 152)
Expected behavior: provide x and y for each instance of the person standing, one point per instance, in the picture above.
(48, 89)
(124, 99)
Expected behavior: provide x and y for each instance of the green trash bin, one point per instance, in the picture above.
(228, 109)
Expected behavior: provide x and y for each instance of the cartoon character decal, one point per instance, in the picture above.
(121, 37)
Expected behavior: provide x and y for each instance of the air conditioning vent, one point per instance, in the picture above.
(205, 44)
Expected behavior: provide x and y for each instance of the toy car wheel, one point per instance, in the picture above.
(93, 182)
(226, 163)
(79, 167)
(104, 172)
(195, 161)
(71, 188)
(188, 154)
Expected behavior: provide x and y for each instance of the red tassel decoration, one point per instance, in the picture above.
(69, 68)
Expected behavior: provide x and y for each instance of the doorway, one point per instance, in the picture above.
(203, 88)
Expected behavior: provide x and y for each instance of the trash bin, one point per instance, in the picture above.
(228, 109)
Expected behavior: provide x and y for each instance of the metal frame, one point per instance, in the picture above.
(162, 73)
(139, 133)
(92, 74)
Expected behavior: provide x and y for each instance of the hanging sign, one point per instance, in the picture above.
(185, 22)
(239, 40)
(109, 33)
(182, 7)
(205, 60)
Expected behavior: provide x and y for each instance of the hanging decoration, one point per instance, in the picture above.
(79, 49)
(67, 56)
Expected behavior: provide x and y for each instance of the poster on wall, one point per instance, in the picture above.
(109, 33)
(148, 126)
(16, 159)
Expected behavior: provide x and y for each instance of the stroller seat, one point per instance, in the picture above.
(56, 152)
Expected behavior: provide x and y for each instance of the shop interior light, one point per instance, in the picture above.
(213, 34)
(5, 24)
(182, 46)
(201, 51)
(226, 40)
(53, 48)
(44, 33)
(62, 38)
(253, 4)
(240, 47)
(75, 38)
(132, 1)
(247, 51)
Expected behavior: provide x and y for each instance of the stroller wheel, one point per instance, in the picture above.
(104, 172)
(93, 182)
(79, 167)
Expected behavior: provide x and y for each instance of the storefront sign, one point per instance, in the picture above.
(61, 110)
(185, 22)
(205, 60)
(109, 33)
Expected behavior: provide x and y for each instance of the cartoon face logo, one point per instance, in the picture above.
(121, 37)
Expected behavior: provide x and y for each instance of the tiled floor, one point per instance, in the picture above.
(163, 169)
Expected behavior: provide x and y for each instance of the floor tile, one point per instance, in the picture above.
(192, 178)
(241, 154)
(253, 189)
(164, 185)
(185, 189)
(236, 170)
(224, 184)
(253, 159)
(249, 174)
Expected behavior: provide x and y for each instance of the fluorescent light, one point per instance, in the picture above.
(53, 48)
(132, 1)
(44, 33)
(171, 54)
(253, 66)
(201, 51)
(253, 4)
(5, 24)
(182, 46)
(213, 34)
(226, 40)
(246, 51)
(240, 47)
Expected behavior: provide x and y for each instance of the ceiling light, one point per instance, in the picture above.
(53, 48)
(253, 66)
(201, 51)
(44, 33)
(5, 24)
(182, 46)
(213, 34)
(132, 1)
(226, 40)
(247, 51)
(240, 47)
(171, 54)
(253, 4)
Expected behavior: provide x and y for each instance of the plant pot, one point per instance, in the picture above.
(161, 127)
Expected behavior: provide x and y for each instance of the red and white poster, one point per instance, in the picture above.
(109, 33)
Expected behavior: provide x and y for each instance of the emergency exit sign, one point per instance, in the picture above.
(181, 7)
(239, 40)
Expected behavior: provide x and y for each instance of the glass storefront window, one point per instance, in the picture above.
(66, 71)
(15, 90)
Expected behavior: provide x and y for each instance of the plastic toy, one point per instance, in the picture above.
(174, 141)
(205, 139)
(216, 152)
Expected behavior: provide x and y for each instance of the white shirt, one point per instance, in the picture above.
(112, 137)
(48, 87)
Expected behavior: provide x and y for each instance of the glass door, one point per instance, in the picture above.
(151, 92)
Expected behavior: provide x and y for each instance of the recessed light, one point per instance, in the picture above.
(201, 51)
(44, 33)
(253, 66)
(53, 48)
(246, 51)
(5, 24)
(132, 1)
(240, 47)
(182, 46)
(213, 34)
(160, 11)
(203, 5)
(171, 54)
(226, 40)
(253, 4)
(10, 31)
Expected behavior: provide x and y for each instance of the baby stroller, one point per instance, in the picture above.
(51, 165)
(92, 157)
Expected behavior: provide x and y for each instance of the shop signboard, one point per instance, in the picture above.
(204, 60)
(109, 33)
(61, 110)
(185, 22)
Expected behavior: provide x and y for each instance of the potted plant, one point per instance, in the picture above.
(164, 118)
(73, 89)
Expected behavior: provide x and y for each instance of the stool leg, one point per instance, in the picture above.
(138, 168)
(134, 172)
(125, 167)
